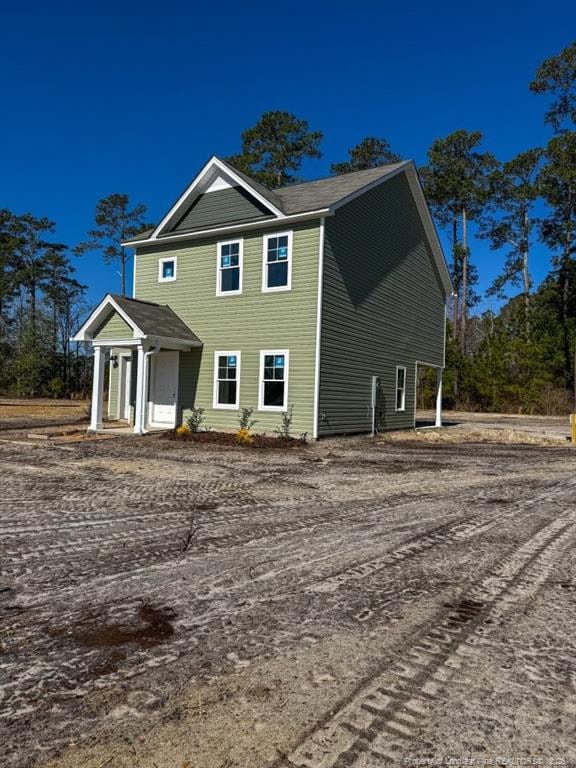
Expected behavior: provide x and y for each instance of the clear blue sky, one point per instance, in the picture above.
(132, 97)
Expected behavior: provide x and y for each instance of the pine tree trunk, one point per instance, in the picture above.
(464, 281)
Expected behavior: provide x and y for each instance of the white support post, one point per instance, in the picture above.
(97, 389)
(438, 397)
(140, 410)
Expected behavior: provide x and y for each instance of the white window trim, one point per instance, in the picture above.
(403, 408)
(266, 238)
(215, 403)
(219, 291)
(284, 406)
(161, 263)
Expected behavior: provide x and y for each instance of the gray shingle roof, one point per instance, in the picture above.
(155, 319)
(310, 195)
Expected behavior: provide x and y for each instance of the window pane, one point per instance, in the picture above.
(222, 361)
(268, 373)
(274, 393)
(399, 399)
(277, 274)
(234, 248)
(230, 279)
(232, 361)
(279, 373)
(225, 261)
(279, 361)
(227, 392)
(222, 373)
(167, 269)
(282, 253)
(269, 361)
(400, 377)
(272, 244)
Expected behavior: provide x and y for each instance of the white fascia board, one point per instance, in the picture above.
(84, 333)
(261, 224)
(214, 162)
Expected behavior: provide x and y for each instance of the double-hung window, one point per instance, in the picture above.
(400, 388)
(277, 264)
(226, 379)
(273, 394)
(167, 270)
(229, 268)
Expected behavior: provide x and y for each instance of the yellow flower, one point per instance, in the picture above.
(243, 437)
(183, 431)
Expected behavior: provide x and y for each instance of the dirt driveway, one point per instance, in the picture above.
(356, 603)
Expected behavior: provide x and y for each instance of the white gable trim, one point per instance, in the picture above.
(196, 186)
(97, 317)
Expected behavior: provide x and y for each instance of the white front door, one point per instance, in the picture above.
(124, 393)
(164, 388)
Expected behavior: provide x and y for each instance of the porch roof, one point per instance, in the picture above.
(146, 320)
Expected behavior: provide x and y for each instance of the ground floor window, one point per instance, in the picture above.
(226, 379)
(273, 380)
(400, 388)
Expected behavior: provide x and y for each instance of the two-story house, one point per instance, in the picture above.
(325, 296)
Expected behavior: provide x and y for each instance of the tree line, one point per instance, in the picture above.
(520, 358)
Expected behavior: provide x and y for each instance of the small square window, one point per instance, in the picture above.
(167, 270)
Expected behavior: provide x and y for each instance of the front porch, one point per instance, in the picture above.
(142, 342)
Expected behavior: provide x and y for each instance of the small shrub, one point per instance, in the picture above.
(245, 419)
(183, 431)
(285, 428)
(195, 420)
(55, 387)
(243, 437)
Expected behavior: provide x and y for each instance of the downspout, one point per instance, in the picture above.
(147, 356)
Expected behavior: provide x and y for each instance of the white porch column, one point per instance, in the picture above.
(438, 397)
(140, 410)
(97, 389)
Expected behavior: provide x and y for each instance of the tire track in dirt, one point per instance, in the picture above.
(460, 529)
(378, 723)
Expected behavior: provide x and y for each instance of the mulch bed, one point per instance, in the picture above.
(229, 438)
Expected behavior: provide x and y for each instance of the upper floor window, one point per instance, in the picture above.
(226, 379)
(273, 394)
(277, 267)
(167, 270)
(229, 268)
(400, 388)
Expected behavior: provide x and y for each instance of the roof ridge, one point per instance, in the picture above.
(140, 301)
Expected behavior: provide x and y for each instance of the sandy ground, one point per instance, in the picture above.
(356, 603)
(24, 414)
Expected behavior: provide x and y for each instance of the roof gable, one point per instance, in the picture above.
(222, 203)
(139, 320)
(218, 176)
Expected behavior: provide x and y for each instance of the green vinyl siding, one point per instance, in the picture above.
(220, 207)
(382, 306)
(114, 328)
(245, 323)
